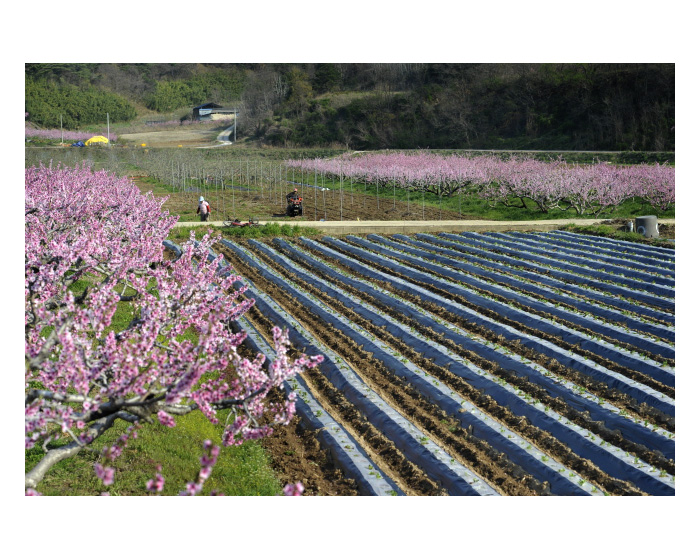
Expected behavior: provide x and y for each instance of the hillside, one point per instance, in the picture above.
(627, 107)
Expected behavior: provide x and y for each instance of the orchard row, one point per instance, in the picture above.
(588, 189)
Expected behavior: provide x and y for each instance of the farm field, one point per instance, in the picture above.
(477, 364)
(471, 364)
(246, 183)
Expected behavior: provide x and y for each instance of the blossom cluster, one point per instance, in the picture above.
(588, 189)
(208, 460)
(157, 483)
(93, 245)
(295, 489)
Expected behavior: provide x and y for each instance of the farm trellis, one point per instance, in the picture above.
(532, 380)
(226, 182)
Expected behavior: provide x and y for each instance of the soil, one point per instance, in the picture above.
(318, 205)
(530, 388)
(522, 306)
(296, 454)
(475, 454)
(488, 313)
(201, 136)
(410, 478)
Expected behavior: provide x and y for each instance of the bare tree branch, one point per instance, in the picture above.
(54, 456)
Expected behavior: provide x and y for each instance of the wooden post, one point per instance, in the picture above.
(341, 194)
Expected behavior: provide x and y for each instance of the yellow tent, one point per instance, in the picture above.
(97, 139)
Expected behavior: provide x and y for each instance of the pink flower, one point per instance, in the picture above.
(157, 484)
(296, 489)
(192, 489)
(166, 419)
(105, 474)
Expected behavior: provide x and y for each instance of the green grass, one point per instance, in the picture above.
(157, 186)
(633, 207)
(270, 230)
(182, 233)
(240, 471)
(603, 230)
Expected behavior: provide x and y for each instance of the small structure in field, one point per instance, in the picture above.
(212, 112)
(648, 226)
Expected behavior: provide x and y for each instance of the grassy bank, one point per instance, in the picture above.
(614, 232)
(180, 234)
(240, 471)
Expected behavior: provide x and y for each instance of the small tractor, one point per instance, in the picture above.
(294, 205)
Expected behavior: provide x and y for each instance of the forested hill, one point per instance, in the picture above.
(372, 106)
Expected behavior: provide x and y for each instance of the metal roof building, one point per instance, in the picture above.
(212, 111)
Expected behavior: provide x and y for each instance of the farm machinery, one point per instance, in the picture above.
(294, 204)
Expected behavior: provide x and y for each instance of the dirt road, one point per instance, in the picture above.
(202, 136)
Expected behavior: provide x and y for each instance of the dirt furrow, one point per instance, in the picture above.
(642, 411)
(474, 453)
(581, 419)
(468, 325)
(548, 273)
(381, 450)
(520, 425)
(572, 294)
(564, 305)
(524, 307)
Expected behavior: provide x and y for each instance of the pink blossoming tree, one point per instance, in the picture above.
(588, 189)
(92, 240)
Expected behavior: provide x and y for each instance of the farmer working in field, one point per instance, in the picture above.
(292, 195)
(203, 209)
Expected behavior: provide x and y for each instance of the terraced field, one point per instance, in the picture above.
(478, 364)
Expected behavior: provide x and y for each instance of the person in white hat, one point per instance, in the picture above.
(203, 209)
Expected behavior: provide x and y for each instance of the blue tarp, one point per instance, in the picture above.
(78, 144)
